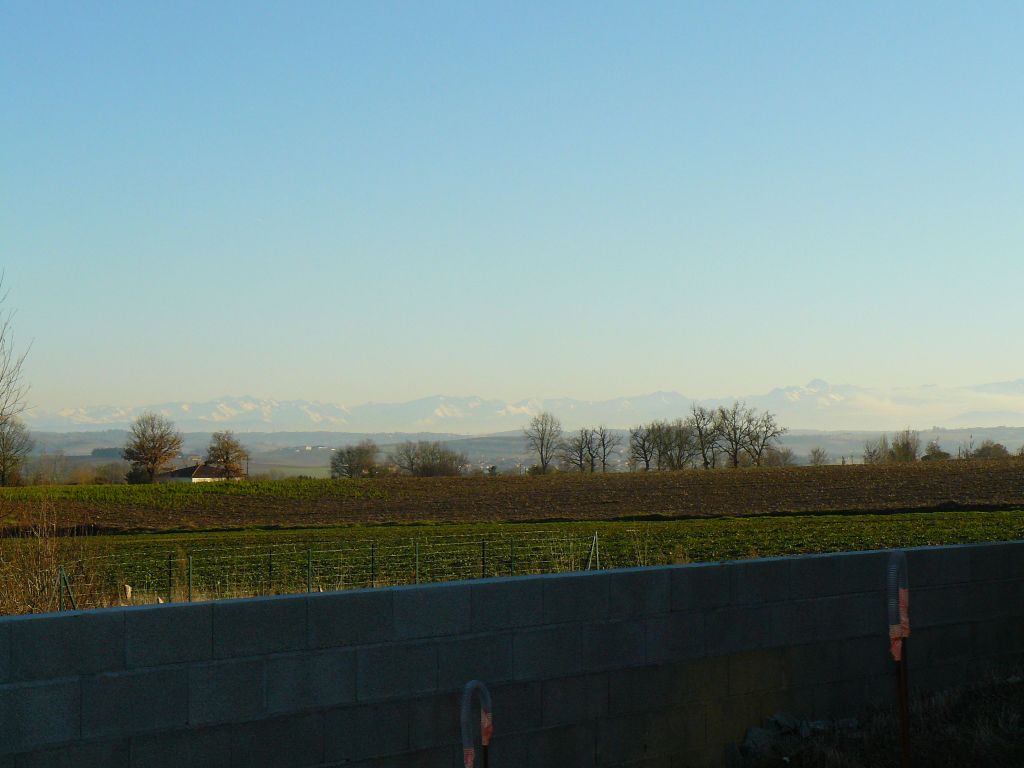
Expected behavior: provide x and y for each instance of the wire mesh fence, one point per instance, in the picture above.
(181, 574)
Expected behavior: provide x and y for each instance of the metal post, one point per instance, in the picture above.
(190, 578)
(309, 569)
(416, 548)
(904, 703)
(170, 577)
(373, 563)
(597, 548)
(60, 588)
(483, 558)
(270, 572)
(512, 557)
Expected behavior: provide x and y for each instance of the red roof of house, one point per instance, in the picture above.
(196, 471)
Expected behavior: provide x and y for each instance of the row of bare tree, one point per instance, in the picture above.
(707, 438)
(420, 458)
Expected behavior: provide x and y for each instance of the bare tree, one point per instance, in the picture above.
(543, 435)
(643, 449)
(227, 454)
(355, 460)
(676, 445)
(764, 433)
(13, 389)
(707, 434)
(579, 450)
(428, 459)
(779, 457)
(15, 446)
(153, 442)
(877, 451)
(734, 428)
(607, 443)
(817, 457)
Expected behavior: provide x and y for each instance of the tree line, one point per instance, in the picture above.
(707, 438)
(420, 458)
(905, 447)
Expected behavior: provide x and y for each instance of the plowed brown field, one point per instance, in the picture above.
(692, 493)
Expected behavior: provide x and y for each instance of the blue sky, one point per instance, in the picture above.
(380, 201)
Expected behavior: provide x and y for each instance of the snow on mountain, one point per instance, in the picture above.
(815, 405)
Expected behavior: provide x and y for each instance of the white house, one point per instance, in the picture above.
(196, 473)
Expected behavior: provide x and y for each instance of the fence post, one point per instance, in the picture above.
(373, 563)
(309, 569)
(416, 549)
(170, 577)
(62, 584)
(512, 557)
(483, 558)
(270, 572)
(190, 578)
(60, 588)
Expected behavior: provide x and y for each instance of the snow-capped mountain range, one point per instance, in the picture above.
(816, 405)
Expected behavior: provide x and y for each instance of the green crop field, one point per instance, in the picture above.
(232, 564)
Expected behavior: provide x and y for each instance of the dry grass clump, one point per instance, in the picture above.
(980, 724)
(30, 562)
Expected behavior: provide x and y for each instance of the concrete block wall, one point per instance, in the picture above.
(658, 667)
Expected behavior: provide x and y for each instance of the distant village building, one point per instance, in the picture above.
(196, 473)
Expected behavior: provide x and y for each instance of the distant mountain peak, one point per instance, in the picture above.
(816, 405)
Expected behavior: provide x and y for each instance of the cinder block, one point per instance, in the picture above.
(795, 622)
(815, 664)
(938, 646)
(64, 645)
(5, 650)
(862, 571)
(39, 714)
(507, 604)
(311, 680)
(568, 747)
(991, 561)
(358, 733)
(935, 606)
(638, 592)
(644, 689)
(675, 637)
(168, 634)
(759, 581)
(855, 615)
(291, 742)
(343, 619)
(432, 610)
(396, 670)
(756, 671)
(226, 692)
(259, 626)
(702, 585)
(434, 721)
(613, 644)
(548, 652)
(126, 703)
(575, 597)
(193, 747)
(518, 707)
(814, 576)
(481, 657)
(730, 630)
(570, 700)
(104, 754)
(865, 657)
(932, 566)
(626, 739)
